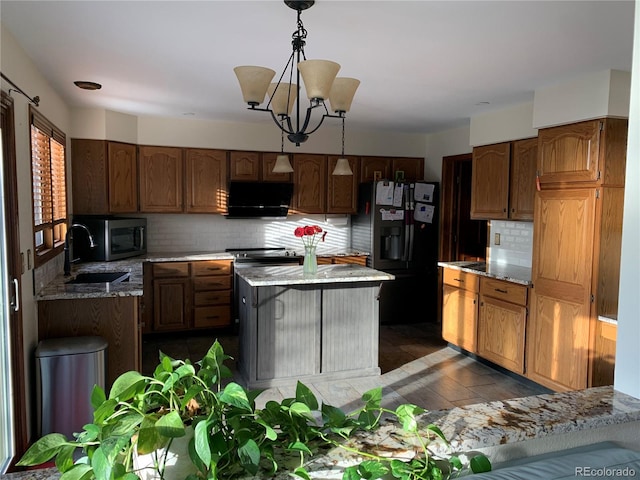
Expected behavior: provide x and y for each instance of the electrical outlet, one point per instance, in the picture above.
(496, 239)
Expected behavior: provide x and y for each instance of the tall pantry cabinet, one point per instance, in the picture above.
(576, 248)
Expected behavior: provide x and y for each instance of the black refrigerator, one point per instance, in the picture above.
(397, 224)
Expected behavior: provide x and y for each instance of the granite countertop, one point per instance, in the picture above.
(471, 427)
(287, 275)
(501, 271)
(58, 289)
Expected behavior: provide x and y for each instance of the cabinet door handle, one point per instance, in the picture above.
(499, 290)
(459, 280)
(214, 268)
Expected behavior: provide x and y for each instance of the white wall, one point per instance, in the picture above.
(264, 136)
(504, 125)
(589, 96)
(444, 144)
(627, 373)
(19, 68)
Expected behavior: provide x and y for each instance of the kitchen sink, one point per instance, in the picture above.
(101, 277)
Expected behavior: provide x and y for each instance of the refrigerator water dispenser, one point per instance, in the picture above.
(392, 243)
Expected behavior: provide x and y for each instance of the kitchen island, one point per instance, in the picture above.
(308, 327)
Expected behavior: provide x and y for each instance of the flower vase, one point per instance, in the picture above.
(310, 263)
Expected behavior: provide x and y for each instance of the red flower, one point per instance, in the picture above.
(309, 233)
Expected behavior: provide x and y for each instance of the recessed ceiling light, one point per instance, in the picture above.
(87, 85)
(482, 103)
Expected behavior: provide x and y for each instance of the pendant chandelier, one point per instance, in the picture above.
(320, 82)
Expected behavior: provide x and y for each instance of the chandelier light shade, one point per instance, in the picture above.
(254, 82)
(342, 92)
(283, 96)
(318, 76)
(282, 164)
(342, 167)
(320, 83)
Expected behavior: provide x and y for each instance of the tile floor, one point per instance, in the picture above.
(417, 367)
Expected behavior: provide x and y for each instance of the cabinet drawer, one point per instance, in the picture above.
(211, 267)
(460, 279)
(212, 283)
(212, 316)
(171, 269)
(213, 297)
(356, 259)
(507, 291)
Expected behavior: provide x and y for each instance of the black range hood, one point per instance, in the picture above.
(259, 199)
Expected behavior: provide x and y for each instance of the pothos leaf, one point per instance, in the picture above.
(43, 450)
(372, 469)
(78, 472)
(480, 463)
(302, 473)
(407, 415)
(201, 435)
(126, 386)
(170, 425)
(372, 398)
(234, 394)
(249, 454)
(306, 396)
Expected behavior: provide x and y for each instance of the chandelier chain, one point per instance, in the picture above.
(343, 136)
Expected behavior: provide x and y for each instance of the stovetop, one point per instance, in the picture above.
(261, 253)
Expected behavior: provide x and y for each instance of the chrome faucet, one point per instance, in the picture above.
(69, 237)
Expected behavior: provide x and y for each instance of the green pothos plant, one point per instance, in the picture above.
(231, 437)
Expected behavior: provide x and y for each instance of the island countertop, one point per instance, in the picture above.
(293, 275)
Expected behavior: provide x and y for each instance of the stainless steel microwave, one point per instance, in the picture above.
(115, 238)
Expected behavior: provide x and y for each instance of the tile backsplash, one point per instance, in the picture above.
(215, 233)
(516, 242)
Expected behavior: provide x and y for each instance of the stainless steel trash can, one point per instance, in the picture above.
(66, 371)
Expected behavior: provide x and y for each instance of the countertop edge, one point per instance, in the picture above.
(509, 273)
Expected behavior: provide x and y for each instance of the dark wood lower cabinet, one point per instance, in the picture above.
(115, 319)
(180, 296)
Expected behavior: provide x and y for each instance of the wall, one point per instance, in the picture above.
(19, 68)
(627, 378)
(589, 96)
(444, 144)
(513, 123)
(264, 135)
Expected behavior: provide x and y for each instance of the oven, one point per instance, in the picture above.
(259, 257)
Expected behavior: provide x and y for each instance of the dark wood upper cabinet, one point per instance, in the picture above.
(522, 187)
(342, 190)
(255, 166)
(123, 177)
(161, 179)
(374, 167)
(490, 181)
(104, 177)
(309, 183)
(206, 180)
(411, 167)
(89, 177)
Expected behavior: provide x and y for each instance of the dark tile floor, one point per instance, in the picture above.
(417, 367)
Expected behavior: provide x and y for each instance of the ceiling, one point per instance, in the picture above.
(424, 66)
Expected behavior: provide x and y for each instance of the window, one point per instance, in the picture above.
(49, 187)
